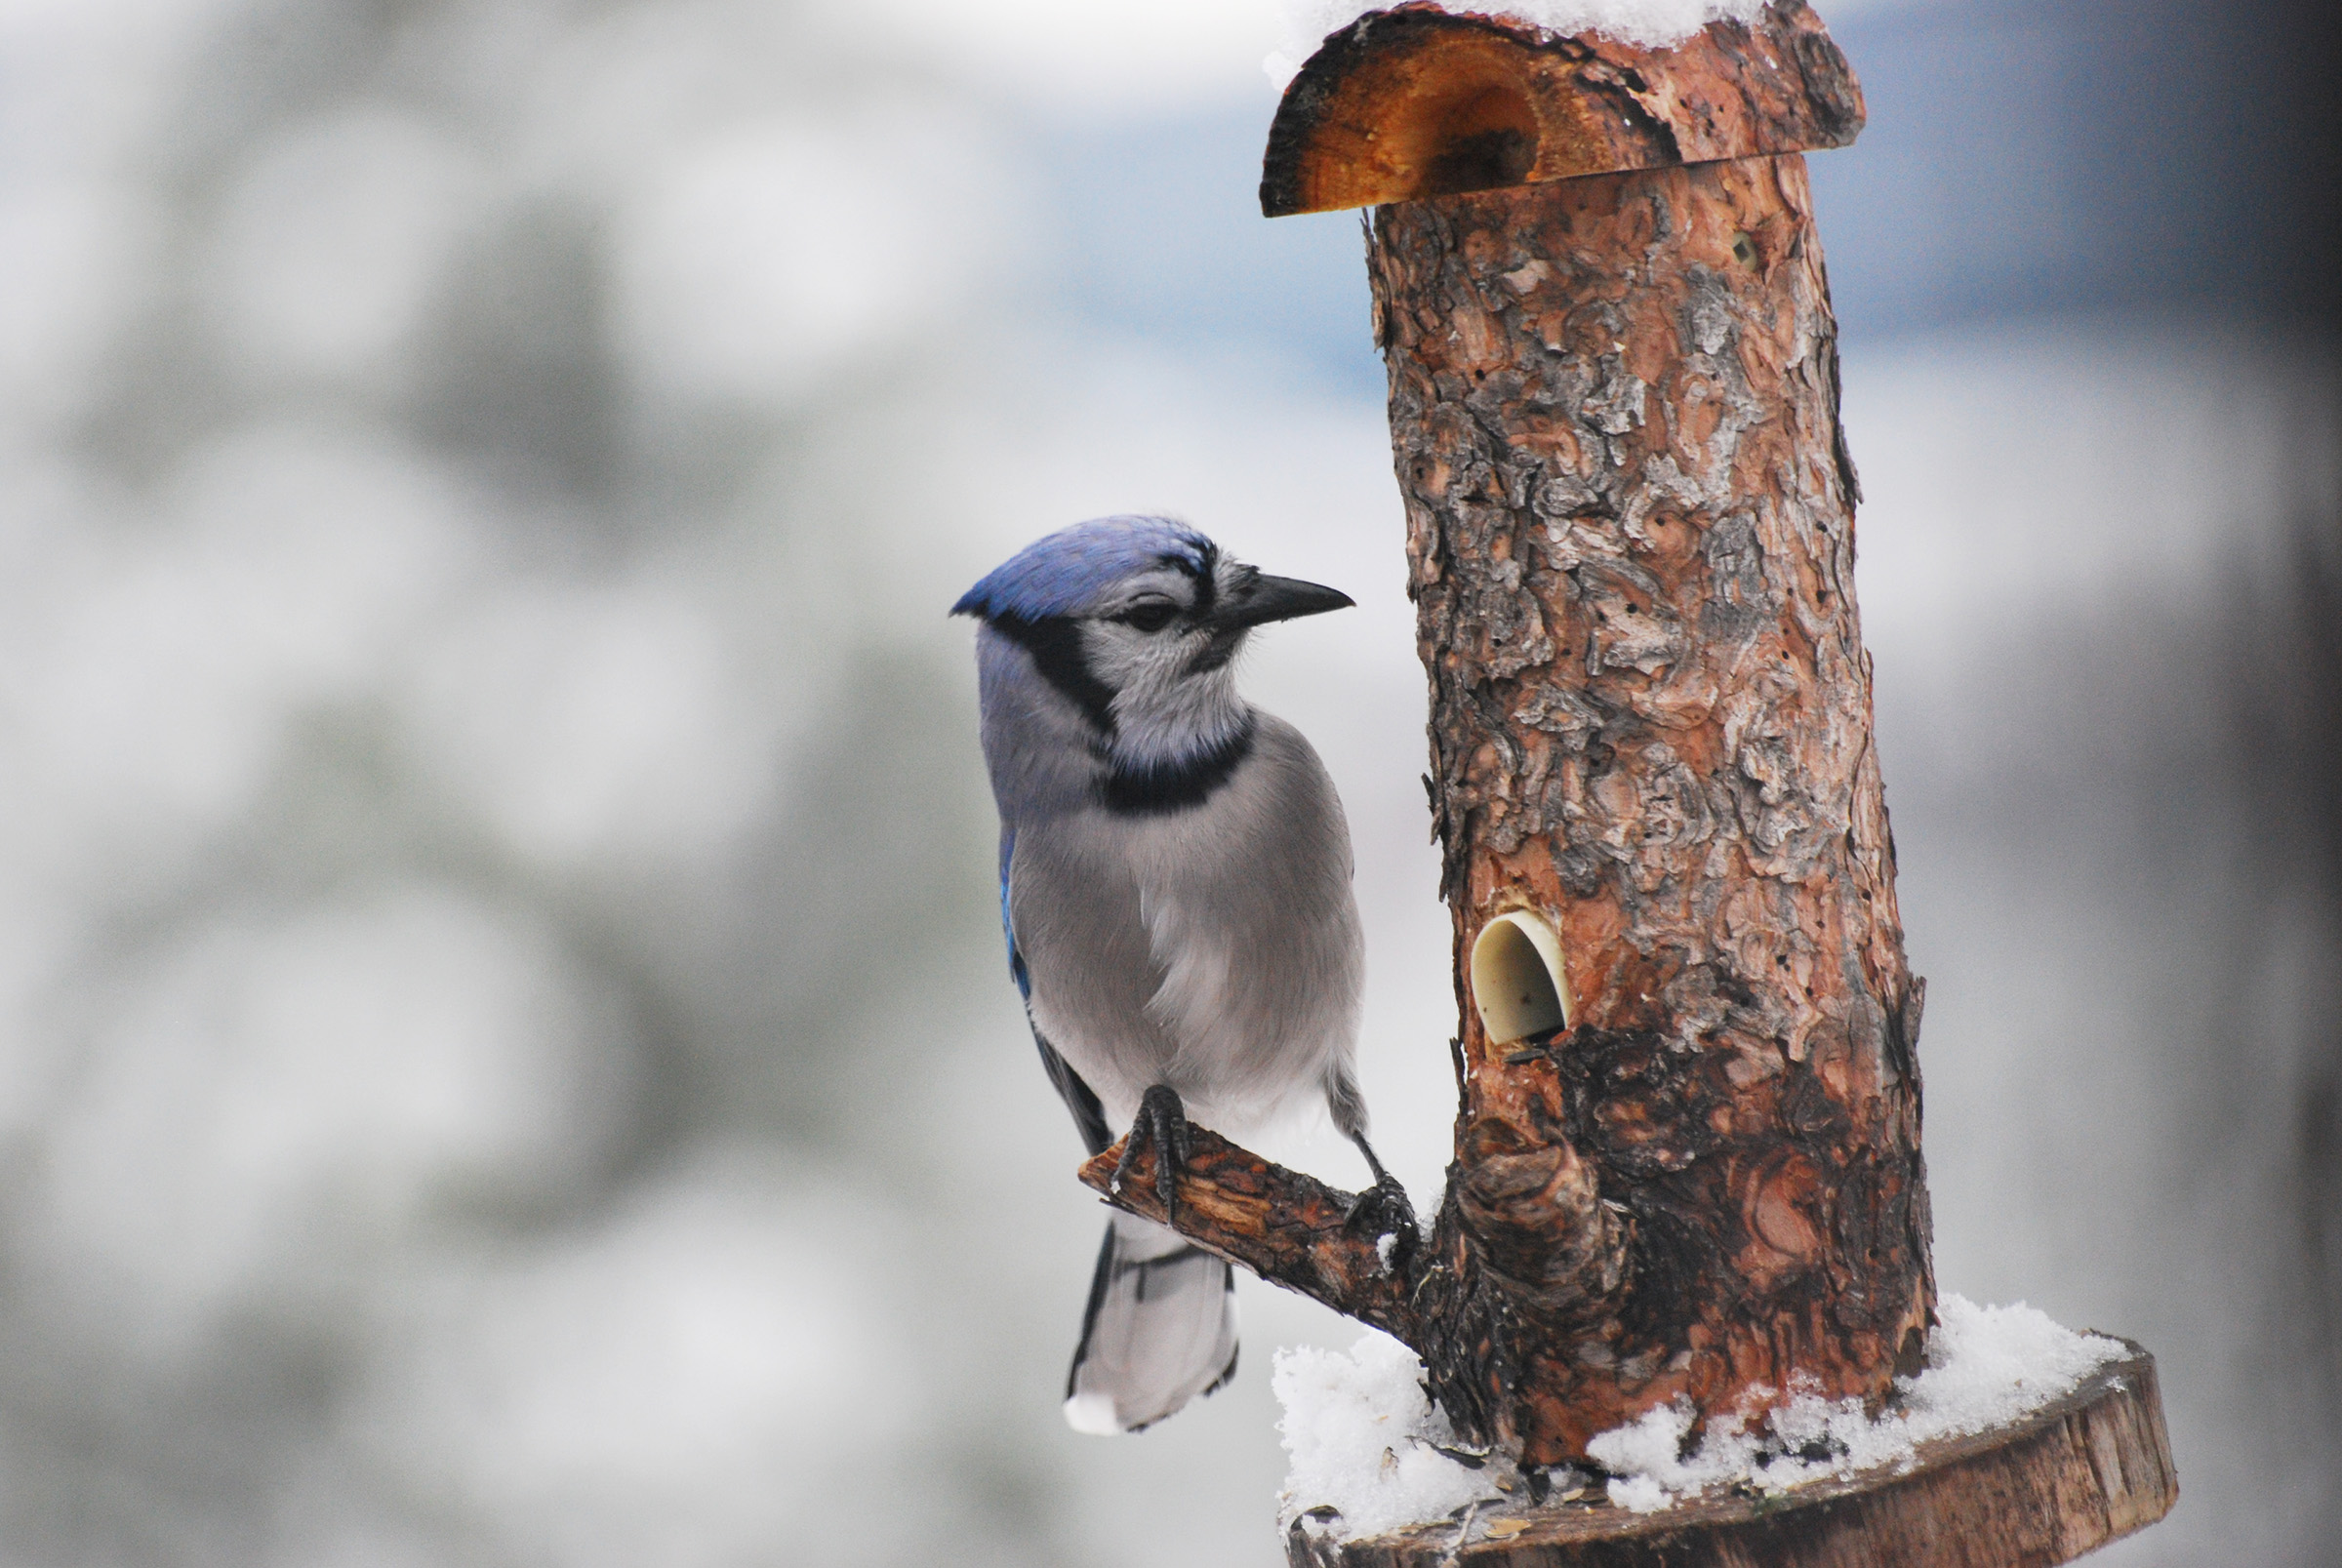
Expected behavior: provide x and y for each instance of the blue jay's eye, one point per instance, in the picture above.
(1151, 616)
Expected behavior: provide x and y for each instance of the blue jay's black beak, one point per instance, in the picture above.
(1264, 598)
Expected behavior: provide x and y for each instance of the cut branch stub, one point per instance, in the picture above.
(1415, 101)
(1289, 1229)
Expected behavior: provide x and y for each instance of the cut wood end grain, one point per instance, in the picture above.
(1416, 101)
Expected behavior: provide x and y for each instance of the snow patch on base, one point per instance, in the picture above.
(1362, 1433)
(1365, 1441)
(1986, 1367)
(1653, 23)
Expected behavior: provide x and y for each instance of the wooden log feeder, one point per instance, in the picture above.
(1687, 1160)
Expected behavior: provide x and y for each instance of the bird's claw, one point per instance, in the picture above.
(1162, 1122)
(1383, 1210)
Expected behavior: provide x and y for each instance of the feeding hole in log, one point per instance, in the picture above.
(1516, 979)
(1442, 112)
(1480, 137)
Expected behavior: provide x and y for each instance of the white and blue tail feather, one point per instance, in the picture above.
(1160, 1330)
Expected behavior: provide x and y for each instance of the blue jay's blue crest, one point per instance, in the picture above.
(1060, 575)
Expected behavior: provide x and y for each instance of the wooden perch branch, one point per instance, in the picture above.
(1286, 1227)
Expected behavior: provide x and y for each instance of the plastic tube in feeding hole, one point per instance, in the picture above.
(1516, 978)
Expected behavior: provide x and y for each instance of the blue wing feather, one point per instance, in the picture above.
(1008, 927)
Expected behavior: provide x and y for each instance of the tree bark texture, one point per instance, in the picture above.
(1629, 541)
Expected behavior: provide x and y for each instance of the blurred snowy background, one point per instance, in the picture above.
(503, 1052)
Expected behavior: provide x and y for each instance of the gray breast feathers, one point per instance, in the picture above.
(1214, 949)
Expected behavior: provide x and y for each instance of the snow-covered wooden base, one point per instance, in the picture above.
(2046, 1489)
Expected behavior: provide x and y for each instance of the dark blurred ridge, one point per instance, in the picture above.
(2027, 156)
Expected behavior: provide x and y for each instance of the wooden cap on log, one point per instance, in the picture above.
(1417, 101)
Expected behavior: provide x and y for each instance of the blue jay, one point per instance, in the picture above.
(1175, 875)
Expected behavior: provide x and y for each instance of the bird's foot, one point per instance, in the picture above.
(1162, 1122)
(1383, 1210)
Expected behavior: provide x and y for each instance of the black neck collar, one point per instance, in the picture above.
(1128, 788)
(1162, 789)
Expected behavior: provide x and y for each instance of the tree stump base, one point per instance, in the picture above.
(2087, 1470)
